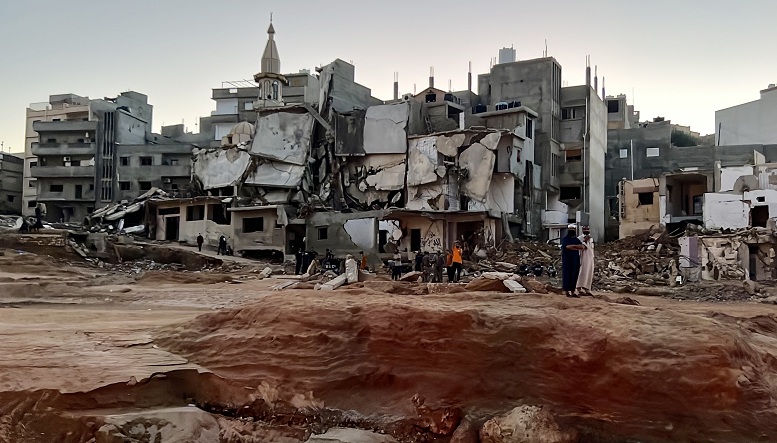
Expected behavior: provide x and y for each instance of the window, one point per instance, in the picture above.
(56, 188)
(89, 209)
(91, 186)
(169, 211)
(218, 214)
(32, 183)
(33, 164)
(146, 161)
(124, 161)
(431, 97)
(74, 162)
(645, 198)
(553, 164)
(613, 106)
(196, 212)
(652, 152)
(323, 233)
(415, 239)
(570, 193)
(144, 186)
(624, 153)
(173, 162)
(32, 204)
(124, 186)
(253, 224)
(574, 155)
(174, 187)
(570, 113)
(80, 140)
(10, 198)
(529, 128)
(51, 140)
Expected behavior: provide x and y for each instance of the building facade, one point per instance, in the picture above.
(11, 182)
(748, 123)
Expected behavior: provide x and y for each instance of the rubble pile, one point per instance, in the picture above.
(112, 218)
(647, 259)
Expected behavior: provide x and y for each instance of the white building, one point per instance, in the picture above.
(749, 123)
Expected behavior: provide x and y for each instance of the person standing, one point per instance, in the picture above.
(396, 270)
(439, 267)
(570, 260)
(457, 261)
(586, 277)
(222, 246)
(363, 265)
(200, 241)
(419, 261)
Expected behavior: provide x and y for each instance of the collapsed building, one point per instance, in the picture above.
(350, 173)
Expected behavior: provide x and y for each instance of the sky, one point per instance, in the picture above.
(679, 59)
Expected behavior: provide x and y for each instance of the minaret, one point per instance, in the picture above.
(269, 80)
(271, 61)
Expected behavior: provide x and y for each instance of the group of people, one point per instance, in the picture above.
(432, 265)
(223, 249)
(577, 262)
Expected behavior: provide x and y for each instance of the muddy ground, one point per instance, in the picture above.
(92, 354)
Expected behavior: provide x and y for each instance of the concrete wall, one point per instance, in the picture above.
(748, 123)
(271, 237)
(190, 229)
(361, 234)
(639, 217)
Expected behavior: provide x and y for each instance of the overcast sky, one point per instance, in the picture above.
(683, 59)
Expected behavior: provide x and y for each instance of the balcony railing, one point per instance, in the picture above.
(43, 149)
(61, 171)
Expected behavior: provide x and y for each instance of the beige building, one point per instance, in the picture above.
(639, 206)
(64, 107)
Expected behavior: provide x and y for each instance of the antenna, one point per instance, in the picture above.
(270, 17)
(450, 85)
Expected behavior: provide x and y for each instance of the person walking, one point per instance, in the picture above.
(222, 246)
(570, 260)
(200, 241)
(457, 261)
(585, 278)
(419, 261)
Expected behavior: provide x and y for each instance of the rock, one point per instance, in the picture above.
(171, 424)
(445, 288)
(266, 272)
(534, 286)
(627, 301)
(655, 292)
(343, 435)
(486, 284)
(525, 424)
(750, 286)
(514, 286)
(411, 276)
(440, 421)
(770, 300)
(465, 433)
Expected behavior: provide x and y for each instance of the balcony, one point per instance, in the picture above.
(145, 173)
(43, 149)
(65, 126)
(61, 171)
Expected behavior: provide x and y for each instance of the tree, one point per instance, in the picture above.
(680, 138)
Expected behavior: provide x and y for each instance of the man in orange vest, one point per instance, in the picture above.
(456, 261)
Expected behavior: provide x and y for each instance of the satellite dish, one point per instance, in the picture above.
(746, 183)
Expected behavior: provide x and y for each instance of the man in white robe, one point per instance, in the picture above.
(585, 278)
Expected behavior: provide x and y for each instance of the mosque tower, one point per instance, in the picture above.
(269, 80)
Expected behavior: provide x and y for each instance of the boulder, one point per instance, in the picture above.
(534, 286)
(482, 284)
(525, 424)
(411, 276)
(334, 283)
(465, 433)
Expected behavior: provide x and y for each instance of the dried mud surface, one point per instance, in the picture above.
(93, 355)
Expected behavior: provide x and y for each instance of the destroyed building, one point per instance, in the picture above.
(350, 173)
(101, 153)
(11, 170)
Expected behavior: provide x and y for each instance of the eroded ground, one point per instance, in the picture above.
(92, 354)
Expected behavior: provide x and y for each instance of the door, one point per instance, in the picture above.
(415, 239)
(79, 191)
(171, 228)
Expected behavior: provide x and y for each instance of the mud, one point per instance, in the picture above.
(90, 354)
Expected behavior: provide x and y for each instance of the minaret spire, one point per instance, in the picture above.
(271, 61)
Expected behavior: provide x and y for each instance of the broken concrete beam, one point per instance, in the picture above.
(514, 286)
(283, 285)
(335, 283)
(411, 276)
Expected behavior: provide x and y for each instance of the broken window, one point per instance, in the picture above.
(613, 106)
(253, 224)
(624, 153)
(574, 155)
(144, 186)
(196, 212)
(218, 214)
(431, 97)
(124, 161)
(323, 233)
(570, 193)
(125, 186)
(33, 164)
(10, 198)
(146, 161)
(529, 128)
(759, 215)
(56, 188)
(645, 198)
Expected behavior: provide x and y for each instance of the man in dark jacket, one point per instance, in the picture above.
(200, 241)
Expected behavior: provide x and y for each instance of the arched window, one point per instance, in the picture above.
(275, 90)
(267, 90)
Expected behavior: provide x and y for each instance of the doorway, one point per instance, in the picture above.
(171, 228)
(759, 215)
(79, 191)
(415, 239)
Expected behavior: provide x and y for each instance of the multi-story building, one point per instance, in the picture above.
(571, 138)
(11, 178)
(748, 123)
(101, 154)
